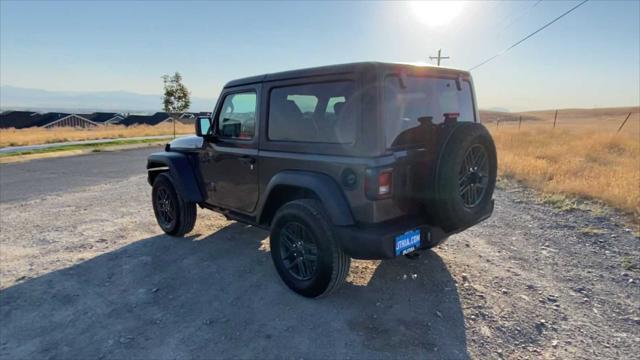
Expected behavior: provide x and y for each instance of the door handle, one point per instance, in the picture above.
(248, 160)
(205, 158)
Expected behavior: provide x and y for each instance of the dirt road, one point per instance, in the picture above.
(86, 273)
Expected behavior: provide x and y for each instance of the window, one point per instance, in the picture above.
(237, 118)
(320, 112)
(412, 105)
(332, 103)
(306, 103)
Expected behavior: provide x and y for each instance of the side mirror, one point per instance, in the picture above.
(203, 125)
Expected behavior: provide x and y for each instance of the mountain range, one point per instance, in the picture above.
(19, 98)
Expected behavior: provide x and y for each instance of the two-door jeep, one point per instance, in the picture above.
(365, 160)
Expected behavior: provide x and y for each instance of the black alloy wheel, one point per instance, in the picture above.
(298, 250)
(305, 249)
(165, 208)
(473, 177)
(465, 177)
(175, 216)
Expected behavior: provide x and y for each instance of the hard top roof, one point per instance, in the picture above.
(343, 69)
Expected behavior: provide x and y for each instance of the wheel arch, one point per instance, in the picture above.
(182, 173)
(291, 185)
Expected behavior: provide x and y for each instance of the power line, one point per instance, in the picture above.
(528, 36)
(520, 15)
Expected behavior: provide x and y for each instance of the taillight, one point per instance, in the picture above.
(378, 184)
(384, 182)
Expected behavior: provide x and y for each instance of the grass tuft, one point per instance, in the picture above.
(629, 263)
(591, 230)
(560, 202)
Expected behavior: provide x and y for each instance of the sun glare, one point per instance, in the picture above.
(437, 13)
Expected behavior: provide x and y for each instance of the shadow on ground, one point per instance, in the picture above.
(219, 297)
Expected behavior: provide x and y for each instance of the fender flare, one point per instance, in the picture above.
(323, 186)
(182, 173)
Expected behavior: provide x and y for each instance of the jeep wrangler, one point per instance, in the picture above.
(365, 160)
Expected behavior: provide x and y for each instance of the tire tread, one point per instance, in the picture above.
(341, 261)
(187, 211)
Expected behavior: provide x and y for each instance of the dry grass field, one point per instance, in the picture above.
(583, 156)
(32, 136)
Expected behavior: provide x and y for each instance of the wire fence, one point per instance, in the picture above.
(627, 122)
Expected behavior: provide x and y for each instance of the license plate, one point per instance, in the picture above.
(407, 242)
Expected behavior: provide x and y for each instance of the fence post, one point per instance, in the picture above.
(520, 122)
(497, 122)
(555, 119)
(624, 122)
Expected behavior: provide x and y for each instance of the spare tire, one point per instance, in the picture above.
(465, 177)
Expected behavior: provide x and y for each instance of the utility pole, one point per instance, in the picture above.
(438, 57)
(520, 122)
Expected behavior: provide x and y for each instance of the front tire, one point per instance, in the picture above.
(175, 216)
(305, 251)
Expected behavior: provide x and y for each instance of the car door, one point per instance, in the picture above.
(229, 162)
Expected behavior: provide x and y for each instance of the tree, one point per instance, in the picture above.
(176, 96)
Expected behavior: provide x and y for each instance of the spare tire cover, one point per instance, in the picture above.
(465, 177)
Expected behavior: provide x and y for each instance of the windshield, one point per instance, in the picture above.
(412, 104)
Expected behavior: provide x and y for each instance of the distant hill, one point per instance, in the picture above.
(498, 109)
(18, 98)
(573, 115)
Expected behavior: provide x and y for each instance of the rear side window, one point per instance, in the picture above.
(321, 112)
(413, 104)
(237, 118)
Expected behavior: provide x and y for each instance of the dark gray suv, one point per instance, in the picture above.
(365, 160)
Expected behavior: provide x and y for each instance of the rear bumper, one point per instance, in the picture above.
(377, 241)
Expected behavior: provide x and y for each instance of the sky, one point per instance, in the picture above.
(590, 58)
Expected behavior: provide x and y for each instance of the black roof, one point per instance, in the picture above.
(25, 119)
(19, 119)
(51, 117)
(145, 119)
(101, 117)
(342, 69)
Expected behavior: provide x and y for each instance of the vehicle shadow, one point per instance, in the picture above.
(218, 296)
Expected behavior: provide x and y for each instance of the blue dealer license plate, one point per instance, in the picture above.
(407, 242)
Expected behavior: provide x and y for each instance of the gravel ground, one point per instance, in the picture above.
(86, 273)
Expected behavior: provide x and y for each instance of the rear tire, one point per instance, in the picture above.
(175, 216)
(305, 251)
